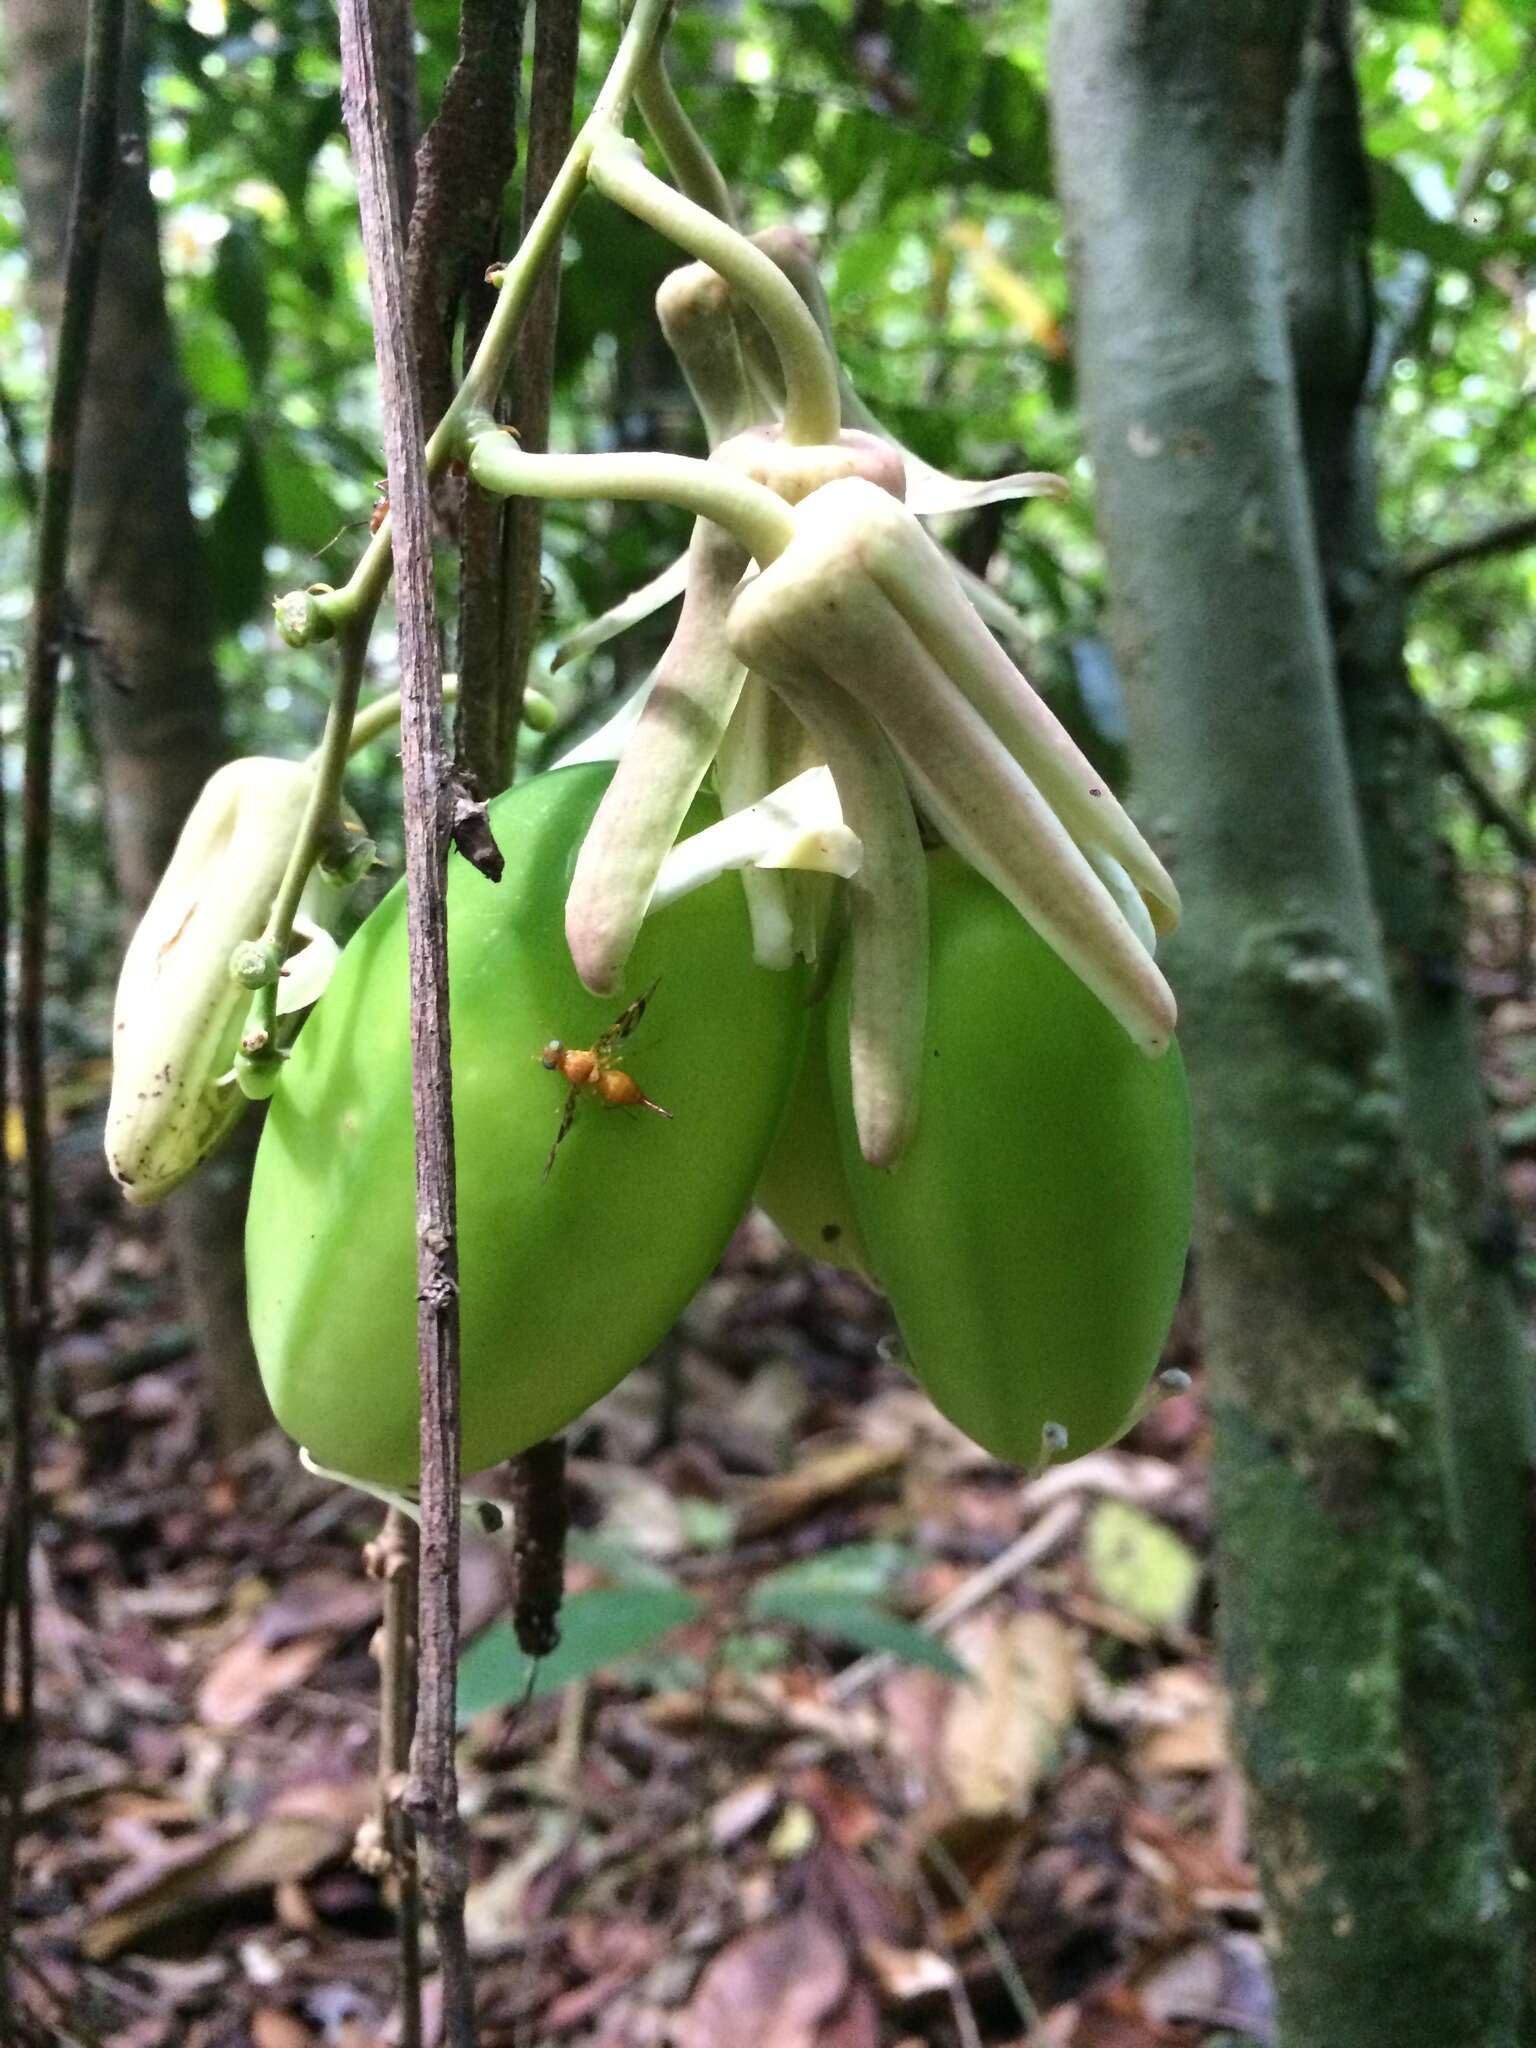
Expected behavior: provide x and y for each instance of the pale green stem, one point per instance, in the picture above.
(330, 761)
(758, 517)
(383, 713)
(812, 409)
(350, 611)
(688, 159)
(487, 373)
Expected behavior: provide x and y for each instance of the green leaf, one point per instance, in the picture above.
(305, 516)
(1140, 1566)
(1402, 220)
(237, 541)
(855, 1571)
(843, 1619)
(597, 1630)
(240, 293)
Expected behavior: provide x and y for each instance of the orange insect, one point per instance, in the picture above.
(595, 1069)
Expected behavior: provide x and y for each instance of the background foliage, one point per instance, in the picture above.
(912, 140)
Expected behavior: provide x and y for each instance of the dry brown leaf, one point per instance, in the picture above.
(250, 1673)
(1224, 1982)
(907, 1974)
(972, 1865)
(1185, 1728)
(817, 1477)
(273, 2029)
(772, 1986)
(1004, 1733)
(199, 1875)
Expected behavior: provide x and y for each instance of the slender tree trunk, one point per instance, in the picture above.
(1466, 1237)
(138, 576)
(1351, 1655)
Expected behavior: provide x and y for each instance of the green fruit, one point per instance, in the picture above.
(566, 1283)
(1032, 1239)
(803, 1185)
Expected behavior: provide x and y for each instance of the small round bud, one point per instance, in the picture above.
(349, 858)
(539, 712)
(258, 1070)
(256, 963)
(302, 620)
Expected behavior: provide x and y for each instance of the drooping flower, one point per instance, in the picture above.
(180, 1002)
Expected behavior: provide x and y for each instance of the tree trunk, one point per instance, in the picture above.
(138, 575)
(1465, 1233)
(1350, 1653)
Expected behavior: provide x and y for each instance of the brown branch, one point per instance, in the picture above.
(431, 1797)
(538, 1476)
(393, 1558)
(462, 166)
(1503, 537)
(556, 46)
(540, 1516)
(386, 1845)
(26, 1290)
(1487, 802)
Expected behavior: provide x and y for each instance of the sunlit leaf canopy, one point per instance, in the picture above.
(918, 154)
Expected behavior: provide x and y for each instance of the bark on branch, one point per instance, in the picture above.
(1360, 1712)
(26, 1290)
(431, 1798)
(1503, 537)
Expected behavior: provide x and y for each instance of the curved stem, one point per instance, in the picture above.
(486, 374)
(688, 159)
(758, 517)
(380, 716)
(812, 407)
(330, 759)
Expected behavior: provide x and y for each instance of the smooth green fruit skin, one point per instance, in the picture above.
(566, 1283)
(1032, 1240)
(803, 1186)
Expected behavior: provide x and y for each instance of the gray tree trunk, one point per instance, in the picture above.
(1466, 1236)
(138, 574)
(1350, 1652)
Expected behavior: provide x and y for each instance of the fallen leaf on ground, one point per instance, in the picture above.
(1138, 1565)
(1004, 1732)
(1185, 1726)
(817, 1478)
(772, 1986)
(906, 1974)
(201, 1875)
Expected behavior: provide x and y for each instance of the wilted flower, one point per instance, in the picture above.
(183, 991)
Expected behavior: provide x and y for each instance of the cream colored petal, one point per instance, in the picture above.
(912, 570)
(629, 611)
(887, 900)
(176, 1019)
(690, 703)
(799, 826)
(813, 598)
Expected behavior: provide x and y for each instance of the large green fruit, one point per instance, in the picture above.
(803, 1186)
(1032, 1239)
(566, 1283)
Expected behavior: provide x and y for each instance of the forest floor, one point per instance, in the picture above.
(751, 1827)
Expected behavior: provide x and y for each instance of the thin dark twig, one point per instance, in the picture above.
(556, 47)
(388, 1846)
(394, 1557)
(431, 1797)
(538, 1476)
(540, 1517)
(1487, 802)
(16, 447)
(27, 1290)
(1503, 537)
